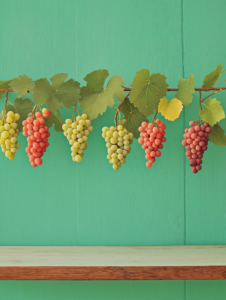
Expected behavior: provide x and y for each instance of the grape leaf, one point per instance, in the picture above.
(69, 92)
(94, 98)
(42, 92)
(22, 84)
(147, 91)
(4, 85)
(58, 79)
(57, 94)
(133, 117)
(23, 107)
(217, 136)
(56, 120)
(186, 89)
(116, 83)
(170, 110)
(213, 111)
(212, 77)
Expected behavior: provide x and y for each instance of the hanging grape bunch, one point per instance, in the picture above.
(118, 141)
(38, 135)
(77, 134)
(9, 134)
(195, 142)
(151, 138)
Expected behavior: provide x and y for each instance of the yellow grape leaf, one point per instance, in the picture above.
(170, 110)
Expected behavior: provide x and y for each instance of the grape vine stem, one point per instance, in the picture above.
(73, 115)
(200, 99)
(6, 100)
(169, 90)
(118, 108)
(155, 115)
(175, 90)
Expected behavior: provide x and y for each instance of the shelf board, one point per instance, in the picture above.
(112, 262)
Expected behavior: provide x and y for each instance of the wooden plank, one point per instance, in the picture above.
(113, 263)
(113, 273)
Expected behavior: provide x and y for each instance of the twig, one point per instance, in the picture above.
(33, 111)
(118, 108)
(219, 82)
(200, 99)
(169, 90)
(155, 115)
(209, 96)
(197, 89)
(73, 115)
(6, 100)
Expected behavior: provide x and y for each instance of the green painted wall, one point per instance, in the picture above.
(63, 203)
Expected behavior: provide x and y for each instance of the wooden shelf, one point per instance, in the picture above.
(112, 263)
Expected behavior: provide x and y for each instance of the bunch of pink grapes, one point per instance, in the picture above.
(38, 135)
(151, 137)
(195, 142)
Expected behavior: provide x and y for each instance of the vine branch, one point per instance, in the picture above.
(73, 115)
(210, 95)
(169, 90)
(6, 100)
(155, 115)
(200, 99)
(118, 108)
(197, 89)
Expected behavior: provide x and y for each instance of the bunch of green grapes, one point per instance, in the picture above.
(77, 134)
(9, 134)
(118, 144)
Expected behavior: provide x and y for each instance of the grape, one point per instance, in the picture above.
(37, 136)
(195, 142)
(77, 134)
(45, 113)
(151, 139)
(118, 141)
(8, 134)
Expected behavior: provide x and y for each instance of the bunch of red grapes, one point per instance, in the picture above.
(37, 137)
(151, 138)
(195, 141)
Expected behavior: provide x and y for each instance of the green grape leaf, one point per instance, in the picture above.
(42, 92)
(69, 92)
(23, 107)
(58, 79)
(212, 77)
(56, 120)
(4, 85)
(147, 91)
(133, 117)
(213, 111)
(186, 89)
(217, 136)
(59, 93)
(22, 84)
(116, 86)
(94, 98)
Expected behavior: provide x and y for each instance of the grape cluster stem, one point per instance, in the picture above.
(73, 115)
(118, 108)
(6, 100)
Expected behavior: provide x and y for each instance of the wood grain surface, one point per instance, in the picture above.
(113, 273)
(113, 263)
